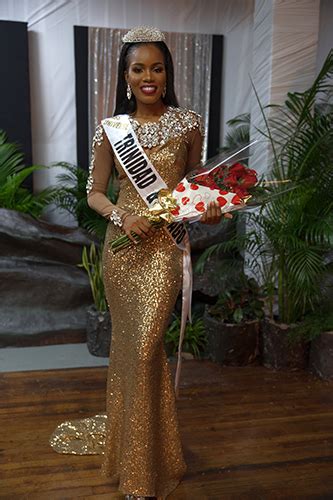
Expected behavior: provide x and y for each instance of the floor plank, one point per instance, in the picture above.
(248, 433)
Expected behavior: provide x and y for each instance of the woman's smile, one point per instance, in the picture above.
(148, 89)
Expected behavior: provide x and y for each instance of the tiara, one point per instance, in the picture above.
(143, 34)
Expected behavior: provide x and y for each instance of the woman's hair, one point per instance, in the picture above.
(128, 106)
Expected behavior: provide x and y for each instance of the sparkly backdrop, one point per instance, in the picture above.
(191, 55)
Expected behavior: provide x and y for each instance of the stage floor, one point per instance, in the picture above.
(249, 433)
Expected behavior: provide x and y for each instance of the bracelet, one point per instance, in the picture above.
(116, 218)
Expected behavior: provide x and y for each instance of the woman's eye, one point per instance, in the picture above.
(159, 70)
(136, 70)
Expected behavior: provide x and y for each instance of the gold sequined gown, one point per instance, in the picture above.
(139, 435)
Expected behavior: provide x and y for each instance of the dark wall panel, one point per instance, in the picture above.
(15, 118)
(81, 86)
(214, 128)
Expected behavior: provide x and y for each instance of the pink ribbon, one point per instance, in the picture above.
(186, 305)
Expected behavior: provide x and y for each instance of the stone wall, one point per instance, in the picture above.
(42, 291)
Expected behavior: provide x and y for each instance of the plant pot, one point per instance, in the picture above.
(231, 344)
(277, 352)
(321, 355)
(98, 332)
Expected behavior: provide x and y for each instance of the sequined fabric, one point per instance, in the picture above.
(138, 436)
(97, 140)
(85, 436)
(173, 123)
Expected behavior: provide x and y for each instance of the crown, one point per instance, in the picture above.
(143, 34)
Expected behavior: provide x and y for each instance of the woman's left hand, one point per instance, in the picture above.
(213, 214)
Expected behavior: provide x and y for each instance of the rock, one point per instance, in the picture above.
(210, 282)
(231, 344)
(277, 351)
(203, 236)
(98, 332)
(42, 291)
(321, 355)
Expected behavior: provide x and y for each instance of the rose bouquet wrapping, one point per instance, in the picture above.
(223, 180)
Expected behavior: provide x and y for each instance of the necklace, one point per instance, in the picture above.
(135, 119)
(174, 122)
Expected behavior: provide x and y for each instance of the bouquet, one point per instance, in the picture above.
(231, 184)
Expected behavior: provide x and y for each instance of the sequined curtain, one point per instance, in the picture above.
(191, 55)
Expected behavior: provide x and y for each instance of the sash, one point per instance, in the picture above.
(148, 182)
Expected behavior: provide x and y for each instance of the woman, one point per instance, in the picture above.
(142, 450)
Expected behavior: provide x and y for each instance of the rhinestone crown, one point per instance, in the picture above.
(144, 34)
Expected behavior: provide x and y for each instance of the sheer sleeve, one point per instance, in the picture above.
(195, 145)
(101, 165)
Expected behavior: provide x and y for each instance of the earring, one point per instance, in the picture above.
(164, 91)
(129, 92)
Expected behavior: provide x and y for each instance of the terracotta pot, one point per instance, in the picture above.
(276, 352)
(98, 332)
(231, 344)
(321, 356)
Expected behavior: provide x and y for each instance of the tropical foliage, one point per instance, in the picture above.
(72, 196)
(195, 337)
(92, 264)
(13, 173)
(240, 301)
(238, 135)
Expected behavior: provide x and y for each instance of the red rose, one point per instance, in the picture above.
(237, 169)
(200, 206)
(240, 192)
(249, 180)
(180, 187)
(230, 181)
(209, 181)
(223, 170)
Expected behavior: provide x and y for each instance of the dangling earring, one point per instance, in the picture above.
(164, 91)
(129, 92)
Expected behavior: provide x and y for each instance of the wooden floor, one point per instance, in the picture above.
(248, 433)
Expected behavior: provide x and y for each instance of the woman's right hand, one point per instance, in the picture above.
(138, 225)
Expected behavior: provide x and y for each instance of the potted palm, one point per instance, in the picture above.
(232, 323)
(98, 316)
(294, 232)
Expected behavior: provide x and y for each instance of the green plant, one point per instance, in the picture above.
(13, 173)
(72, 196)
(92, 264)
(195, 337)
(238, 302)
(315, 324)
(238, 134)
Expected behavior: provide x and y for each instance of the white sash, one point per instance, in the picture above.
(148, 182)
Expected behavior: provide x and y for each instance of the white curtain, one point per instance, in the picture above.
(191, 55)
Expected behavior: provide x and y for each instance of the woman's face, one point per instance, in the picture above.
(146, 73)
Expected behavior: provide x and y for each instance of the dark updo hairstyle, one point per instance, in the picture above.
(128, 106)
